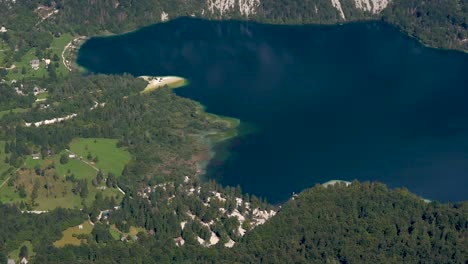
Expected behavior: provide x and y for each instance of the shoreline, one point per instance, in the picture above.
(70, 54)
(105, 33)
(213, 139)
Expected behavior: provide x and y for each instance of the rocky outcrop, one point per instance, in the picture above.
(244, 7)
(337, 5)
(372, 6)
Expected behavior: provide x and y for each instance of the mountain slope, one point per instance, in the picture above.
(362, 223)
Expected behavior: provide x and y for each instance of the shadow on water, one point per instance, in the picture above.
(359, 101)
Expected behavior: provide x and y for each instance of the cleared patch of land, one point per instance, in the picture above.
(15, 253)
(110, 158)
(155, 82)
(133, 231)
(42, 96)
(56, 48)
(14, 111)
(47, 183)
(70, 235)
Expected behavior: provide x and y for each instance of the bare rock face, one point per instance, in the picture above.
(372, 6)
(337, 5)
(245, 7)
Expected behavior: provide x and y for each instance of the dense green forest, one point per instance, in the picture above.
(441, 23)
(155, 208)
(361, 223)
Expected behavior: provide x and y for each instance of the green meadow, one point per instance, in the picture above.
(42, 96)
(70, 235)
(14, 111)
(80, 169)
(110, 158)
(56, 48)
(60, 192)
(15, 253)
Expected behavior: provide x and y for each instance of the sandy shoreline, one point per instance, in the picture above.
(155, 82)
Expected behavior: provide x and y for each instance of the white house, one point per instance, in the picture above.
(35, 64)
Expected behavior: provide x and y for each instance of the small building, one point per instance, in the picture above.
(44, 106)
(35, 64)
(37, 90)
(36, 156)
(24, 261)
(11, 261)
(71, 156)
(80, 227)
(3, 29)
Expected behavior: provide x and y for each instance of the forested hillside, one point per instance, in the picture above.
(441, 23)
(127, 165)
(361, 223)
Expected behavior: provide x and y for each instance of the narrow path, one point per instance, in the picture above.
(46, 17)
(82, 160)
(68, 46)
(4, 182)
(64, 61)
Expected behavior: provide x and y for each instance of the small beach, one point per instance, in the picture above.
(155, 82)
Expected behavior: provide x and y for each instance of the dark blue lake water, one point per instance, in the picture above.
(358, 101)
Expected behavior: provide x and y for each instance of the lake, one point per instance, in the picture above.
(356, 101)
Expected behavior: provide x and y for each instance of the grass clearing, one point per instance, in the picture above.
(42, 96)
(115, 233)
(15, 253)
(30, 73)
(56, 48)
(60, 191)
(80, 169)
(70, 235)
(13, 111)
(60, 42)
(110, 157)
(133, 231)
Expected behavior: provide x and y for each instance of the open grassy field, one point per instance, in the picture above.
(8, 195)
(42, 96)
(59, 194)
(110, 158)
(80, 169)
(15, 253)
(69, 235)
(117, 234)
(16, 110)
(56, 48)
(16, 74)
